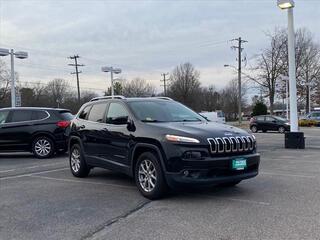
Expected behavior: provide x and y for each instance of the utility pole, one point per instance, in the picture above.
(239, 47)
(164, 85)
(75, 57)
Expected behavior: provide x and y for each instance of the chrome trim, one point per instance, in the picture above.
(223, 143)
(251, 146)
(226, 149)
(234, 145)
(215, 144)
(246, 143)
(240, 140)
(237, 144)
(31, 121)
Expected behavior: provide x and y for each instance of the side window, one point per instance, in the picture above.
(117, 114)
(39, 115)
(260, 119)
(97, 112)
(269, 119)
(3, 116)
(85, 112)
(21, 116)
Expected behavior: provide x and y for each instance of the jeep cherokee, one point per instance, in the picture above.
(159, 142)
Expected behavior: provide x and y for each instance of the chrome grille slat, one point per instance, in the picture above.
(231, 144)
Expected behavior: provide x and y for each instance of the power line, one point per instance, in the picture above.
(239, 47)
(76, 65)
(164, 80)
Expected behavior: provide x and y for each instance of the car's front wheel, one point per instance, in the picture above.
(42, 147)
(281, 129)
(149, 176)
(78, 165)
(254, 129)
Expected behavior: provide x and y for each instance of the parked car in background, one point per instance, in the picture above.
(266, 123)
(217, 116)
(315, 115)
(160, 143)
(37, 130)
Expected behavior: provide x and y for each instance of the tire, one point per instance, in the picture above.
(148, 172)
(78, 165)
(230, 184)
(42, 147)
(254, 129)
(281, 129)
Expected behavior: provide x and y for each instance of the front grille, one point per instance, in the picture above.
(232, 144)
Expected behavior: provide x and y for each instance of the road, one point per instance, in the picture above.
(40, 199)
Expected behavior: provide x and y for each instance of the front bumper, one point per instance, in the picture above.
(214, 171)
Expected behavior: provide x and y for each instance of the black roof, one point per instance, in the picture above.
(35, 108)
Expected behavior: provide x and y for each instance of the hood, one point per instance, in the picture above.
(203, 129)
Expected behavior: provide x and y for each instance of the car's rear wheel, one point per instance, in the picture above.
(42, 147)
(281, 129)
(254, 129)
(78, 165)
(149, 176)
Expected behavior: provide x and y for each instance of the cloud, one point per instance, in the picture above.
(144, 38)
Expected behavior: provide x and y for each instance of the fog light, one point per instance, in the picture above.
(186, 173)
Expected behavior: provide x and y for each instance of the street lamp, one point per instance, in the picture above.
(294, 139)
(20, 55)
(112, 71)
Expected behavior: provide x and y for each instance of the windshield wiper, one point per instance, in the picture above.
(189, 120)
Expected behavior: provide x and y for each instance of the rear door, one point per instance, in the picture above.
(17, 129)
(4, 141)
(92, 130)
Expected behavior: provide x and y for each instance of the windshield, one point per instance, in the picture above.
(163, 111)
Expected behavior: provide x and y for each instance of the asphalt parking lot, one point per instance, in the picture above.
(40, 199)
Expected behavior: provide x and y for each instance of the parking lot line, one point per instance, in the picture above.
(79, 181)
(30, 174)
(9, 170)
(288, 175)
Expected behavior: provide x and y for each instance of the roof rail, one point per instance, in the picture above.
(107, 97)
(165, 98)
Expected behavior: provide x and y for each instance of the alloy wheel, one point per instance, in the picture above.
(147, 175)
(75, 160)
(42, 147)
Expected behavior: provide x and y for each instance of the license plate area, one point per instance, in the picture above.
(239, 164)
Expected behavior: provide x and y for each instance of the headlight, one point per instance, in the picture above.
(174, 138)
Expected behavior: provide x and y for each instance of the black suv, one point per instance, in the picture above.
(266, 123)
(160, 143)
(37, 130)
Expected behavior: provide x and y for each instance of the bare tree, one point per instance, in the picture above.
(4, 81)
(210, 99)
(57, 90)
(270, 66)
(185, 85)
(137, 87)
(230, 98)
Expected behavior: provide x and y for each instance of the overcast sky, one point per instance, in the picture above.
(144, 38)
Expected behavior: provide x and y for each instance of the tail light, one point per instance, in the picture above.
(63, 124)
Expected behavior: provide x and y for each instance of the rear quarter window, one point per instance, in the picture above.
(39, 115)
(67, 115)
(3, 116)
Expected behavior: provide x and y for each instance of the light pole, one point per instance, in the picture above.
(20, 55)
(296, 139)
(112, 71)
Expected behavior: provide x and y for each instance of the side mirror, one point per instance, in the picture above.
(130, 125)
